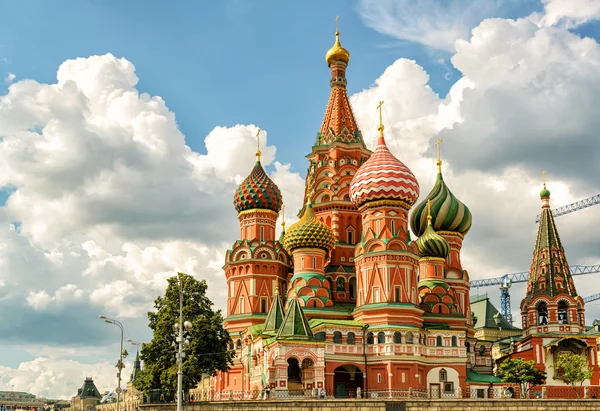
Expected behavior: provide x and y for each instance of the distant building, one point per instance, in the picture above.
(87, 398)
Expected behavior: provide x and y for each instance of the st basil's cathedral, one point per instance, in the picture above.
(344, 301)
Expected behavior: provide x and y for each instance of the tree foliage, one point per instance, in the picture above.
(208, 351)
(572, 369)
(522, 372)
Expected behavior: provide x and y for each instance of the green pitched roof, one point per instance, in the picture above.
(295, 325)
(317, 322)
(275, 316)
(546, 264)
(485, 312)
(473, 376)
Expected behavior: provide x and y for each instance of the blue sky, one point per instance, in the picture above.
(222, 63)
(217, 62)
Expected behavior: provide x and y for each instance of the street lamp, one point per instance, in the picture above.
(182, 338)
(122, 353)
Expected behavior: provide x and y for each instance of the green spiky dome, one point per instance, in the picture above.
(257, 191)
(309, 232)
(448, 213)
(431, 244)
(544, 193)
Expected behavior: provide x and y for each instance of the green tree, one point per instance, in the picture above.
(208, 351)
(572, 369)
(519, 371)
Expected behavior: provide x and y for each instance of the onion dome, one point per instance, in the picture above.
(431, 244)
(258, 191)
(384, 177)
(337, 52)
(447, 212)
(544, 193)
(309, 232)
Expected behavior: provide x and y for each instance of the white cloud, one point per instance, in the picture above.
(10, 77)
(54, 378)
(567, 13)
(432, 23)
(526, 98)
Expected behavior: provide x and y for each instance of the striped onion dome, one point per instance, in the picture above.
(383, 177)
(309, 232)
(257, 191)
(431, 244)
(448, 213)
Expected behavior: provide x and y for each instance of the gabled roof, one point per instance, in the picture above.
(275, 316)
(295, 325)
(485, 312)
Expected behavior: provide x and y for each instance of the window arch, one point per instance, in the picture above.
(337, 337)
(408, 338)
(350, 338)
(443, 375)
(380, 337)
(370, 338)
(397, 338)
(238, 344)
(320, 336)
(563, 317)
(438, 341)
(542, 313)
(454, 341)
(340, 284)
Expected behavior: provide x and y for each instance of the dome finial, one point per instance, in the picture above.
(337, 52)
(380, 128)
(283, 217)
(429, 212)
(545, 193)
(258, 153)
(438, 143)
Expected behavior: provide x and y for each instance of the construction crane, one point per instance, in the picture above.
(507, 280)
(576, 206)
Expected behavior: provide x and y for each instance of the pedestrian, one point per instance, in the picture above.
(268, 391)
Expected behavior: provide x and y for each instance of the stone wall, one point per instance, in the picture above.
(388, 405)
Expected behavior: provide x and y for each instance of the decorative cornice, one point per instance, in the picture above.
(256, 211)
(384, 203)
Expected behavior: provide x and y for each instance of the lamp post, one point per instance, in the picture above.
(122, 354)
(182, 338)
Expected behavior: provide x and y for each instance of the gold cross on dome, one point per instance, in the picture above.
(438, 143)
(258, 153)
(380, 118)
(336, 23)
(283, 216)
(544, 172)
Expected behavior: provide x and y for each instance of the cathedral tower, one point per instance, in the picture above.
(451, 219)
(338, 152)
(384, 189)
(257, 265)
(551, 304)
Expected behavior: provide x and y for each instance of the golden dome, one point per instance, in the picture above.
(337, 52)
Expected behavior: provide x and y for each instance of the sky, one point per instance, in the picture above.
(125, 128)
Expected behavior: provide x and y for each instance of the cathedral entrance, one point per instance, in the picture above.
(346, 380)
(294, 377)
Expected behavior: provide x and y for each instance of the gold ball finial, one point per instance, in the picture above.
(337, 52)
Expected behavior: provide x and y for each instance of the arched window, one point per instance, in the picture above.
(350, 338)
(542, 313)
(238, 344)
(320, 336)
(340, 284)
(350, 234)
(454, 342)
(397, 338)
(370, 338)
(409, 338)
(468, 345)
(438, 341)
(380, 337)
(443, 375)
(563, 317)
(352, 288)
(337, 337)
